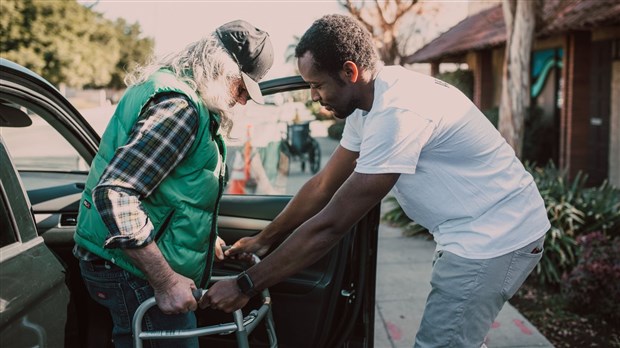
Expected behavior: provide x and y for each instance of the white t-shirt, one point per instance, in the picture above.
(459, 178)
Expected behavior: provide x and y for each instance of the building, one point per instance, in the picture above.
(575, 78)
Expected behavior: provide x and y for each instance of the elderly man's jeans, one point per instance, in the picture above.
(121, 293)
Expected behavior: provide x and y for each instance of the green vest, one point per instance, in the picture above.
(183, 208)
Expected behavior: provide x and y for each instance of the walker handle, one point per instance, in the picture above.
(198, 294)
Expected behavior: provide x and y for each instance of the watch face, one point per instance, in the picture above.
(245, 283)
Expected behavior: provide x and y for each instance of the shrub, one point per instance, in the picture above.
(593, 286)
(573, 210)
(397, 217)
(601, 208)
(493, 115)
(598, 208)
(461, 79)
(335, 130)
(560, 198)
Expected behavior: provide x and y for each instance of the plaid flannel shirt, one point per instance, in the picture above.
(159, 140)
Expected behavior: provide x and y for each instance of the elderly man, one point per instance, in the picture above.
(147, 222)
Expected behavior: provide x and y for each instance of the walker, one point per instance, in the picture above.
(241, 326)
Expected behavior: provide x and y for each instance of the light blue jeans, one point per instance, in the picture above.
(467, 295)
(122, 293)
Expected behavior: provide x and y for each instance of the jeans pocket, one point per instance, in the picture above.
(522, 264)
(143, 291)
(436, 256)
(111, 296)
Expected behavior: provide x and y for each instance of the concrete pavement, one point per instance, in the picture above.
(403, 282)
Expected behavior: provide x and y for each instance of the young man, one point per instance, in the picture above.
(449, 168)
(147, 222)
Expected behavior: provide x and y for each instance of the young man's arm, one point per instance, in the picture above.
(308, 201)
(311, 240)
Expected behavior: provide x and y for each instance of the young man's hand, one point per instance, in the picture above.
(225, 296)
(247, 245)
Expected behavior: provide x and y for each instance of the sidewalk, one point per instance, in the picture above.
(403, 282)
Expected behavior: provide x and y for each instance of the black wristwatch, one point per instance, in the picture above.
(245, 284)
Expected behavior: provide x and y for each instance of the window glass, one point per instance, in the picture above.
(276, 147)
(40, 147)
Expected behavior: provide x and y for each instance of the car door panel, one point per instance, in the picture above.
(306, 304)
(34, 312)
(271, 206)
(33, 294)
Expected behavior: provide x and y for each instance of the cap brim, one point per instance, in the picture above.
(253, 89)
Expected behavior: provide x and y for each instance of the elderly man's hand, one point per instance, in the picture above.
(225, 296)
(219, 253)
(174, 296)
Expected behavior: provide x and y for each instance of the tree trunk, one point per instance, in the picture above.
(520, 18)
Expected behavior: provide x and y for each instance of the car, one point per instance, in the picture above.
(46, 147)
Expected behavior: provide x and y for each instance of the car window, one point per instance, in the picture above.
(275, 148)
(40, 147)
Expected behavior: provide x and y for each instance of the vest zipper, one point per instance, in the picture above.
(206, 275)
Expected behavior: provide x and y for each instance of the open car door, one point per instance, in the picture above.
(275, 149)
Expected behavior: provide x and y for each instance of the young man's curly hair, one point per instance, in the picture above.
(335, 39)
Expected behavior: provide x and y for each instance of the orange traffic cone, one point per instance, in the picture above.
(237, 176)
(241, 167)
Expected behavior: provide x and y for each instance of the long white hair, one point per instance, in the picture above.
(206, 67)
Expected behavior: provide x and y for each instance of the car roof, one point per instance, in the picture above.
(10, 65)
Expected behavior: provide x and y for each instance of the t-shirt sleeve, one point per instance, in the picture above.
(392, 142)
(352, 134)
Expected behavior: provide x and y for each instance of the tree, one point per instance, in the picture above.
(134, 50)
(520, 19)
(384, 20)
(63, 41)
(289, 53)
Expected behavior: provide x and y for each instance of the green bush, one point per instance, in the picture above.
(560, 198)
(493, 115)
(593, 286)
(461, 79)
(573, 210)
(601, 207)
(335, 130)
(395, 216)
(598, 207)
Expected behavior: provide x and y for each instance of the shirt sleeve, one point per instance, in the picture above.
(159, 140)
(352, 133)
(392, 142)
